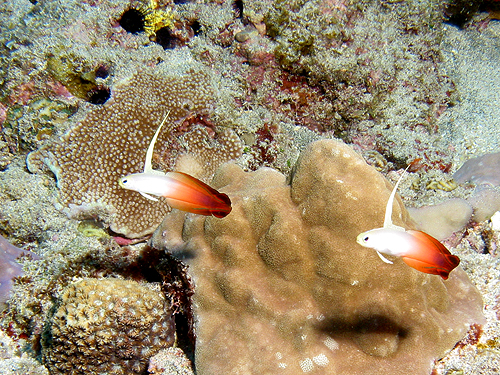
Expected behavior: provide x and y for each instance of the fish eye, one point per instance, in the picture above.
(366, 239)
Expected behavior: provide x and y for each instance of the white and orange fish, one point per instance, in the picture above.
(418, 249)
(180, 190)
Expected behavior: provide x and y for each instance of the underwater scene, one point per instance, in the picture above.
(262, 187)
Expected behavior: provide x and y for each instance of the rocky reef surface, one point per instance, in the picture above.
(252, 83)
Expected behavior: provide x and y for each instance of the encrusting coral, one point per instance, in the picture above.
(107, 326)
(282, 287)
(112, 140)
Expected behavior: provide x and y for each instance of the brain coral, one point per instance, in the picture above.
(283, 288)
(107, 326)
(112, 140)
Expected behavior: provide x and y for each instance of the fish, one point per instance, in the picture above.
(418, 249)
(180, 190)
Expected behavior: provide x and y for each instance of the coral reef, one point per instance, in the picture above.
(283, 288)
(485, 201)
(387, 76)
(364, 78)
(112, 140)
(9, 268)
(107, 326)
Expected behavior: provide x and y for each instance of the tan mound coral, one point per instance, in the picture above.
(112, 140)
(283, 288)
(107, 326)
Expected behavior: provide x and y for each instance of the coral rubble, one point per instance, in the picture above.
(170, 361)
(112, 140)
(107, 326)
(283, 288)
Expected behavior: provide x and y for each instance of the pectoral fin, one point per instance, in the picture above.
(384, 259)
(148, 196)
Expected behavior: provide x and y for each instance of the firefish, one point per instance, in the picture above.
(180, 190)
(417, 249)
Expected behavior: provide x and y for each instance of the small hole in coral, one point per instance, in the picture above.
(238, 8)
(102, 71)
(98, 95)
(165, 38)
(132, 20)
(196, 26)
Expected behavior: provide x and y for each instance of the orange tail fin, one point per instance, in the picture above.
(197, 197)
(430, 256)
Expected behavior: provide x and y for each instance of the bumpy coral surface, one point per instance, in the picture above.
(112, 141)
(107, 326)
(283, 288)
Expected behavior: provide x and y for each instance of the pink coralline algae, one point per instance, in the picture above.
(481, 170)
(9, 268)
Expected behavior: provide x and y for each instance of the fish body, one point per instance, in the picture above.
(417, 249)
(389, 241)
(181, 190)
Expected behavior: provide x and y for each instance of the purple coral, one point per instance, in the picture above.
(481, 170)
(9, 268)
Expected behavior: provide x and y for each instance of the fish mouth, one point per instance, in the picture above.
(359, 239)
(121, 182)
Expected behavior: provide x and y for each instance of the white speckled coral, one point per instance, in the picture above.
(283, 288)
(112, 140)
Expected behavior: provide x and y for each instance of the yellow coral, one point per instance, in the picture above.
(157, 19)
(445, 185)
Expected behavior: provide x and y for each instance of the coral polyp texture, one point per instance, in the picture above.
(281, 286)
(107, 326)
(112, 141)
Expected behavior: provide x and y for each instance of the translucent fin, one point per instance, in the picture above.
(384, 258)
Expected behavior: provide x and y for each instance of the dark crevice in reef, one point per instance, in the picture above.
(178, 286)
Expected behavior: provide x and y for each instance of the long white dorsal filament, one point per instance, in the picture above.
(388, 213)
(148, 163)
(388, 209)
